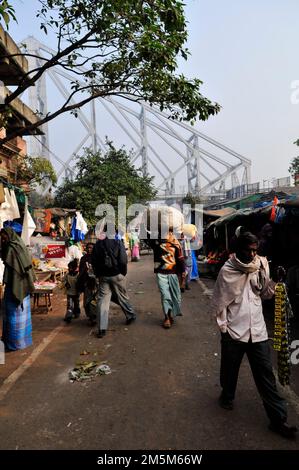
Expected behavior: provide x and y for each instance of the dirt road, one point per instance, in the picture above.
(162, 392)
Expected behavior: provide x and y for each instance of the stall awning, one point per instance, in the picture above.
(219, 212)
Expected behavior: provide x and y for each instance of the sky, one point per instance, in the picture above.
(245, 52)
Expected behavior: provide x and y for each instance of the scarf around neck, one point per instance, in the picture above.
(232, 279)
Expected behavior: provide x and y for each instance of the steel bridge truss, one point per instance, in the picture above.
(168, 148)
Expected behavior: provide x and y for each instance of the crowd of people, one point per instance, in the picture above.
(243, 282)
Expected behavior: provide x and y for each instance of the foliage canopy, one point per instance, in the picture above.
(101, 178)
(125, 48)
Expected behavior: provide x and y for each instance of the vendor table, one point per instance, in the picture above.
(51, 274)
(43, 291)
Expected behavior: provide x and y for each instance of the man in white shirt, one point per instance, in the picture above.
(241, 285)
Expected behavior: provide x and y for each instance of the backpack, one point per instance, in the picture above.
(109, 259)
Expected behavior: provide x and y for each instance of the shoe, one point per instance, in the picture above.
(182, 289)
(171, 319)
(101, 333)
(225, 403)
(167, 323)
(284, 429)
(130, 320)
(188, 288)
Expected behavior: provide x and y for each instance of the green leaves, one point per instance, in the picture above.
(101, 178)
(126, 48)
(294, 166)
(7, 12)
(137, 45)
(35, 171)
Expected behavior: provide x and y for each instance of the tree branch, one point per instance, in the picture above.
(50, 63)
(65, 108)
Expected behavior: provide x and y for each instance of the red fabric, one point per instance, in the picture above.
(273, 210)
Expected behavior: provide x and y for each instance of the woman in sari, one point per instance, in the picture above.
(18, 279)
(134, 245)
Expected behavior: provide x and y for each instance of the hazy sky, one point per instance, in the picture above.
(245, 51)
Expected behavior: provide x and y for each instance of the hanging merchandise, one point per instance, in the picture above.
(61, 227)
(81, 225)
(280, 215)
(274, 209)
(2, 195)
(282, 315)
(6, 209)
(14, 204)
(42, 218)
(20, 196)
(76, 235)
(11, 199)
(74, 252)
(28, 225)
(14, 225)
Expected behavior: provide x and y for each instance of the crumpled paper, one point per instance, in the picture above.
(88, 370)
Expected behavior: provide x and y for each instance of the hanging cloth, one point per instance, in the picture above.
(76, 235)
(6, 210)
(81, 225)
(2, 194)
(28, 225)
(14, 204)
(274, 209)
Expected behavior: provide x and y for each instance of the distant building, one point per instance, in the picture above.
(12, 71)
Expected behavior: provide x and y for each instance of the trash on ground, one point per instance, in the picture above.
(103, 369)
(88, 370)
(84, 353)
(139, 292)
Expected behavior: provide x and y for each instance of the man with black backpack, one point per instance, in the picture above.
(109, 261)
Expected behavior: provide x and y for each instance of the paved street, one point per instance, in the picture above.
(162, 392)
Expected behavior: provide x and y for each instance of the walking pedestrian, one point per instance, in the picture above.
(87, 284)
(19, 283)
(241, 285)
(168, 264)
(109, 261)
(186, 250)
(134, 245)
(72, 293)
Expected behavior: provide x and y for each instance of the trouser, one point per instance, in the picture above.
(114, 286)
(89, 302)
(73, 306)
(259, 358)
(188, 274)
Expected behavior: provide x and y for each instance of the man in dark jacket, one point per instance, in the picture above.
(109, 261)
